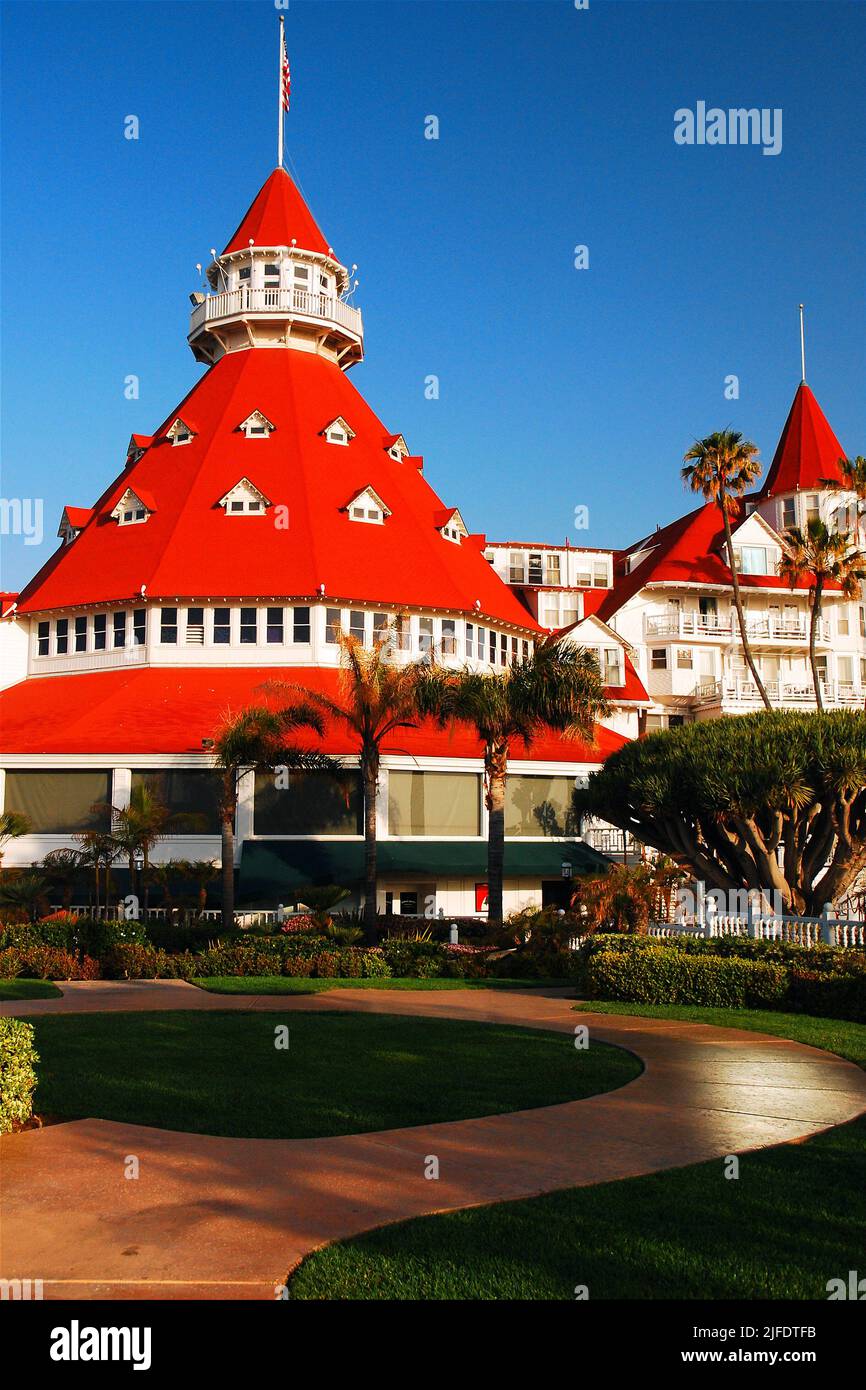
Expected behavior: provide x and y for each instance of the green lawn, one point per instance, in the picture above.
(343, 1073)
(792, 1220)
(305, 984)
(28, 989)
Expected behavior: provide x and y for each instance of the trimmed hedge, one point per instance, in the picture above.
(666, 976)
(17, 1072)
(46, 963)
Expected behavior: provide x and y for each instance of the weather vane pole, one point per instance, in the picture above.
(802, 347)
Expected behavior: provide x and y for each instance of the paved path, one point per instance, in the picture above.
(228, 1218)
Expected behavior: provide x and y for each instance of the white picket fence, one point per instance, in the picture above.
(799, 931)
(257, 917)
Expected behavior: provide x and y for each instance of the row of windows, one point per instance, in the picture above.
(545, 567)
(481, 643)
(92, 634)
(418, 803)
(771, 666)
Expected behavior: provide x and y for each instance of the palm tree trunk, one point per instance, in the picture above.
(495, 835)
(738, 604)
(371, 780)
(813, 634)
(227, 827)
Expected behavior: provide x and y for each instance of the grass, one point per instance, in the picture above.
(305, 984)
(28, 989)
(343, 1073)
(832, 1034)
(792, 1220)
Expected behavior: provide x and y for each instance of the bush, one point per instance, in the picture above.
(840, 995)
(17, 1072)
(132, 961)
(46, 963)
(667, 976)
(93, 937)
(45, 933)
(416, 960)
(349, 963)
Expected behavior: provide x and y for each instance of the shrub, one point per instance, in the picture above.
(45, 933)
(414, 959)
(133, 961)
(17, 1072)
(349, 963)
(238, 960)
(46, 963)
(840, 995)
(94, 937)
(667, 976)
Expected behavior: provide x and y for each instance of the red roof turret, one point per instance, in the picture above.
(278, 216)
(808, 451)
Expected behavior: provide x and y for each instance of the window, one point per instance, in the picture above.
(61, 636)
(168, 625)
(812, 509)
(844, 623)
(249, 624)
(307, 803)
(525, 651)
(491, 649)
(189, 792)
(516, 568)
(599, 574)
(789, 513)
(380, 627)
(552, 573)
(274, 626)
(425, 636)
(222, 626)
(570, 612)
(863, 672)
(550, 616)
(367, 506)
(57, 803)
(356, 624)
(408, 903)
(470, 640)
(179, 432)
(862, 613)
(752, 559)
(684, 659)
(514, 649)
(845, 669)
(536, 570)
(449, 637)
(659, 659)
(139, 626)
(503, 649)
(583, 579)
(403, 633)
(195, 627)
(244, 273)
(612, 670)
(434, 803)
(256, 426)
(338, 431)
(302, 277)
(129, 509)
(119, 624)
(99, 632)
(272, 277)
(482, 643)
(301, 625)
(43, 639)
(332, 623)
(539, 806)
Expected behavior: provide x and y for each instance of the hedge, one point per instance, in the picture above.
(17, 1072)
(46, 963)
(666, 976)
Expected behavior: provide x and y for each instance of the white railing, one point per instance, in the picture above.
(798, 931)
(115, 911)
(295, 303)
(732, 690)
(679, 624)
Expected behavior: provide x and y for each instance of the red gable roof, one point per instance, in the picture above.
(808, 450)
(278, 216)
(102, 712)
(78, 516)
(189, 548)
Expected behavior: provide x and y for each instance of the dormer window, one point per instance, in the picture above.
(256, 426)
(179, 432)
(450, 525)
(396, 447)
(131, 508)
(368, 506)
(137, 447)
(244, 499)
(338, 431)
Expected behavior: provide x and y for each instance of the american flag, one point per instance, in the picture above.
(287, 77)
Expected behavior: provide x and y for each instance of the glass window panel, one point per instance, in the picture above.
(248, 624)
(222, 625)
(43, 639)
(168, 625)
(185, 791)
(434, 803)
(275, 625)
(539, 806)
(301, 625)
(58, 803)
(99, 632)
(119, 624)
(139, 626)
(309, 803)
(61, 633)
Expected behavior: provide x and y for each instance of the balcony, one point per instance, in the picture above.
(742, 694)
(781, 631)
(290, 303)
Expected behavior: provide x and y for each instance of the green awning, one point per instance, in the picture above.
(270, 868)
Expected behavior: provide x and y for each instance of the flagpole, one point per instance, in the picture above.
(280, 96)
(802, 347)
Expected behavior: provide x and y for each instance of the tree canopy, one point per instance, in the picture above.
(773, 801)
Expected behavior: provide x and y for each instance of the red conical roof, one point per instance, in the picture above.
(278, 216)
(808, 450)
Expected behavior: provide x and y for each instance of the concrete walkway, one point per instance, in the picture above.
(229, 1218)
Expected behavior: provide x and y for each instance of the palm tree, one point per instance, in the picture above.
(826, 557)
(852, 479)
(61, 868)
(24, 891)
(98, 852)
(202, 872)
(559, 687)
(256, 738)
(376, 697)
(12, 824)
(721, 467)
(139, 826)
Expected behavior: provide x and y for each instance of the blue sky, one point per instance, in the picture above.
(558, 387)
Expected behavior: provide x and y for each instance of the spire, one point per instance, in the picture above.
(808, 450)
(278, 216)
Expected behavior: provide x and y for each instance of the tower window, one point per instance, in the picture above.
(272, 277)
(274, 631)
(222, 626)
(356, 624)
(470, 639)
(789, 513)
(301, 625)
(195, 627)
(100, 622)
(81, 634)
(332, 622)
(139, 626)
(43, 640)
(249, 625)
(168, 626)
(119, 625)
(61, 636)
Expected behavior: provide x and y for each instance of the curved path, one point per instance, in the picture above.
(228, 1218)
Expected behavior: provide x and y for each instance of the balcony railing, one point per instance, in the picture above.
(706, 625)
(291, 303)
(795, 693)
